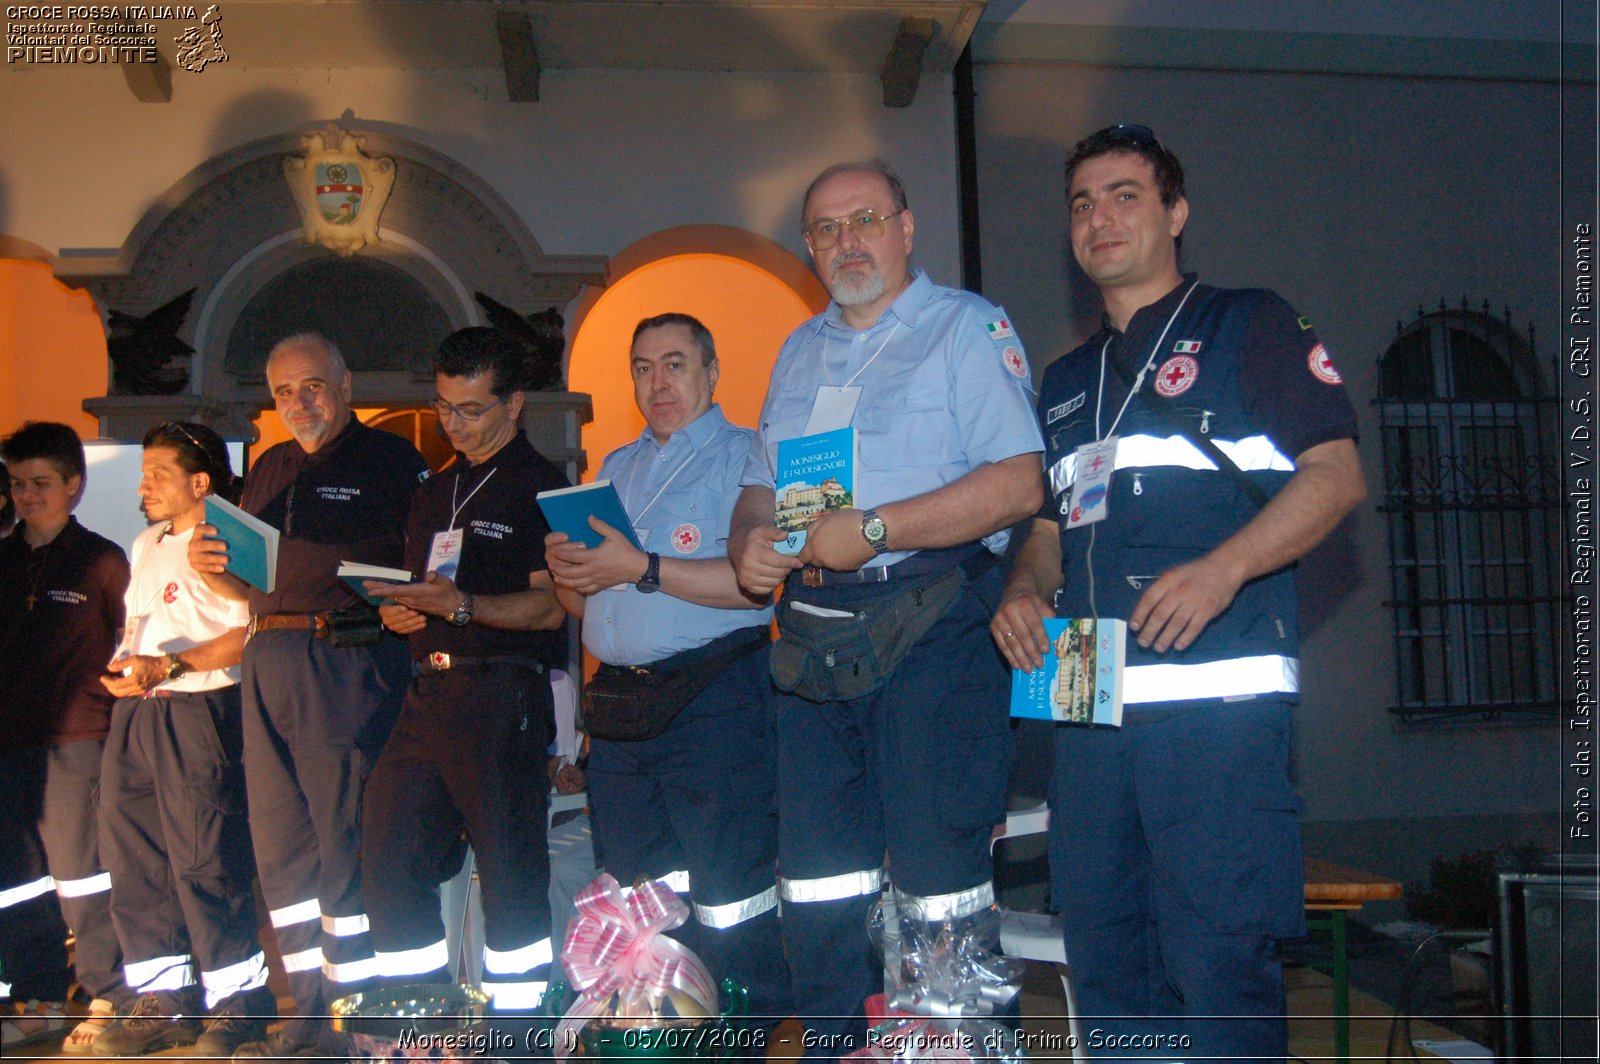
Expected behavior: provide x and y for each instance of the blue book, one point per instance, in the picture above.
(816, 475)
(568, 509)
(252, 543)
(1081, 682)
(357, 574)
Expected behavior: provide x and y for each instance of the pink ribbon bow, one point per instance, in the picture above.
(615, 945)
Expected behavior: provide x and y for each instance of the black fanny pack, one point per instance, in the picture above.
(834, 659)
(627, 703)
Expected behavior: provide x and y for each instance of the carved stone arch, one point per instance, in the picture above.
(230, 230)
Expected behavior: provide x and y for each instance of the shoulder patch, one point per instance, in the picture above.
(424, 475)
(1176, 376)
(1000, 329)
(1015, 364)
(1056, 413)
(1322, 366)
(1304, 323)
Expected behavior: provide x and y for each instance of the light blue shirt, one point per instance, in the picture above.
(680, 498)
(945, 388)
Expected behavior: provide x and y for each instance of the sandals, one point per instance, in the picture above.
(35, 1021)
(81, 1040)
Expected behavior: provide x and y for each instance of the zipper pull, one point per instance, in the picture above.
(1138, 484)
(1205, 422)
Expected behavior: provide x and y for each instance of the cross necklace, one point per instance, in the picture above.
(38, 575)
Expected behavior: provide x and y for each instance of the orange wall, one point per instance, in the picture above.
(52, 349)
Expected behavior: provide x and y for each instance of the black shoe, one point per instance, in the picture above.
(153, 1022)
(240, 1019)
(299, 1038)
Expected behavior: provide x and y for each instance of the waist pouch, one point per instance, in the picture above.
(834, 659)
(627, 703)
(355, 626)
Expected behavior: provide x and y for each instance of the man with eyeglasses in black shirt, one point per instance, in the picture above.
(322, 681)
(484, 628)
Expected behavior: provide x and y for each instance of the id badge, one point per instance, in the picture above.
(444, 557)
(132, 629)
(1087, 503)
(833, 408)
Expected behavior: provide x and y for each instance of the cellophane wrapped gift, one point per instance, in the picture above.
(626, 971)
(949, 981)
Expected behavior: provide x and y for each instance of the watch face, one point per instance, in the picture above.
(873, 529)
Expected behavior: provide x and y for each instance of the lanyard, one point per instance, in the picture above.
(455, 511)
(637, 517)
(1138, 382)
(854, 376)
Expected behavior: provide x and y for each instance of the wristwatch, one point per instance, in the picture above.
(176, 667)
(874, 532)
(650, 582)
(463, 613)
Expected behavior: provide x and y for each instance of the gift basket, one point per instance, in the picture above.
(425, 1021)
(949, 983)
(639, 994)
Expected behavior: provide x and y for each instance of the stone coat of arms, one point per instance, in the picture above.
(339, 188)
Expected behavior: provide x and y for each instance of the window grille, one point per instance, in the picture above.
(1472, 497)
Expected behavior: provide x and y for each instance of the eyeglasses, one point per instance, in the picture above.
(177, 427)
(444, 409)
(823, 233)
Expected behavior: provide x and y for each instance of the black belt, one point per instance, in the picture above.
(922, 563)
(439, 661)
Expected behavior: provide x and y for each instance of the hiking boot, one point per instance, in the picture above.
(240, 1019)
(298, 1038)
(154, 1022)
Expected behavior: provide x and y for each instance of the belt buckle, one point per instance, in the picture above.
(251, 628)
(439, 661)
(811, 576)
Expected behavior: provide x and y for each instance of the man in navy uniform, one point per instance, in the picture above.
(60, 607)
(322, 681)
(1175, 851)
(485, 630)
(694, 805)
(937, 388)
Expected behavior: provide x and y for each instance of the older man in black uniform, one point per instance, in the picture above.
(322, 683)
(469, 749)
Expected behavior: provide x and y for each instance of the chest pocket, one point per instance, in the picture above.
(907, 420)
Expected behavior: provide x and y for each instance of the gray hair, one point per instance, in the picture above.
(897, 189)
(309, 340)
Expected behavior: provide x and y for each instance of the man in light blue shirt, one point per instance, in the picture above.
(693, 805)
(938, 390)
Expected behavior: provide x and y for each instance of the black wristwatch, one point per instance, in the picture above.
(463, 613)
(176, 667)
(650, 582)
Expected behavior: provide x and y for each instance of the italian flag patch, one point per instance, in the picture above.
(1186, 347)
(999, 330)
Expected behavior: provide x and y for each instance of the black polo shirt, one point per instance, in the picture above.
(54, 655)
(503, 542)
(346, 501)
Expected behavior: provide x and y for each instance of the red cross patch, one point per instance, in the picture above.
(1322, 366)
(1176, 376)
(1016, 365)
(169, 594)
(686, 538)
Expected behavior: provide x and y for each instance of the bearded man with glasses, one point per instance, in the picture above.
(936, 389)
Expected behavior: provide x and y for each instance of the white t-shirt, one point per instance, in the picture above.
(179, 611)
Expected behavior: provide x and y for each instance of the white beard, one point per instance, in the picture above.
(852, 288)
